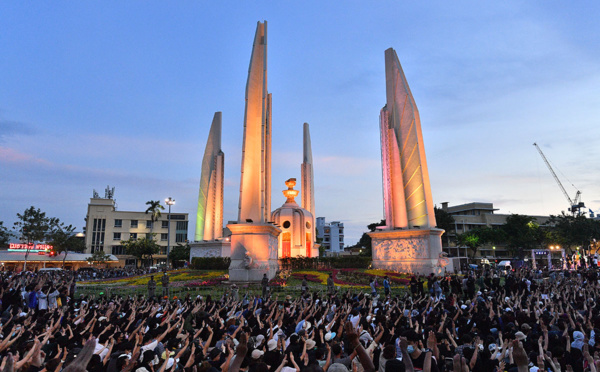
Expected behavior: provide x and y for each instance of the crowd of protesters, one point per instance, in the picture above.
(121, 272)
(483, 322)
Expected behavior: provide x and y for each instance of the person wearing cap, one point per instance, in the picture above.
(273, 354)
(265, 286)
(373, 286)
(330, 285)
(165, 284)
(235, 292)
(386, 286)
(151, 287)
(304, 286)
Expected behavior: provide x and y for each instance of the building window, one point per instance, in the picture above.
(134, 223)
(149, 236)
(116, 236)
(98, 227)
(148, 224)
(286, 224)
(164, 237)
(118, 223)
(165, 224)
(131, 262)
(118, 250)
(133, 236)
(180, 238)
(181, 226)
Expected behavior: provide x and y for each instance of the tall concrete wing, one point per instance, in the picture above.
(403, 122)
(393, 191)
(209, 219)
(308, 194)
(255, 185)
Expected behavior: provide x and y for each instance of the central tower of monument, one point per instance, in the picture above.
(409, 242)
(254, 239)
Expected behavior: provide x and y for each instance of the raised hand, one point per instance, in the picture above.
(80, 363)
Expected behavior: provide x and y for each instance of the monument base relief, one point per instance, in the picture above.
(415, 251)
(253, 252)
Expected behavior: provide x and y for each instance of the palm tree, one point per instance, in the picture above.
(154, 209)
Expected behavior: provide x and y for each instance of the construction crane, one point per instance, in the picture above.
(575, 204)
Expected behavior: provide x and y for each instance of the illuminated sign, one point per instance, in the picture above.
(16, 247)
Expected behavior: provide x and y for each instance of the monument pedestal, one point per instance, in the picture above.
(210, 248)
(415, 251)
(253, 252)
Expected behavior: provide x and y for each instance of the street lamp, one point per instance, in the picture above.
(170, 201)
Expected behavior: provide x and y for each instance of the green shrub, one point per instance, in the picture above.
(210, 263)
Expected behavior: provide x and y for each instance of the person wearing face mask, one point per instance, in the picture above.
(415, 350)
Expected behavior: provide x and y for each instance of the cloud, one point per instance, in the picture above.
(10, 128)
(14, 157)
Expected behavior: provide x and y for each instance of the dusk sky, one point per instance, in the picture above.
(122, 93)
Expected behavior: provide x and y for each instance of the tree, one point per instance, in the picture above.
(5, 235)
(154, 209)
(179, 254)
(573, 231)
(34, 226)
(522, 232)
(365, 240)
(63, 240)
(141, 248)
(98, 257)
(444, 220)
(471, 240)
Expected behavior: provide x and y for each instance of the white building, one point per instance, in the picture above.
(106, 228)
(331, 235)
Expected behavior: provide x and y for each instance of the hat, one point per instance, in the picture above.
(288, 297)
(463, 307)
(478, 293)
(492, 347)
(307, 326)
(520, 336)
(310, 344)
(578, 336)
(329, 336)
(214, 353)
(260, 339)
(525, 327)
(508, 309)
(337, 367)
(272, 344)
(256, 354)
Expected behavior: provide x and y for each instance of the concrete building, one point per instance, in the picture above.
(331, 235)
(476, 215)
(106, 227)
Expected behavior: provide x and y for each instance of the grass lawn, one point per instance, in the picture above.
(202, 282)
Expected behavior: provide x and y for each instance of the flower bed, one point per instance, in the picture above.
(352, 278)
(175, 278)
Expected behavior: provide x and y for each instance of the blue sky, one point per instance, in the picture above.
(123, 93)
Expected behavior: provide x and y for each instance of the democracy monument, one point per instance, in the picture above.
(259, 237)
